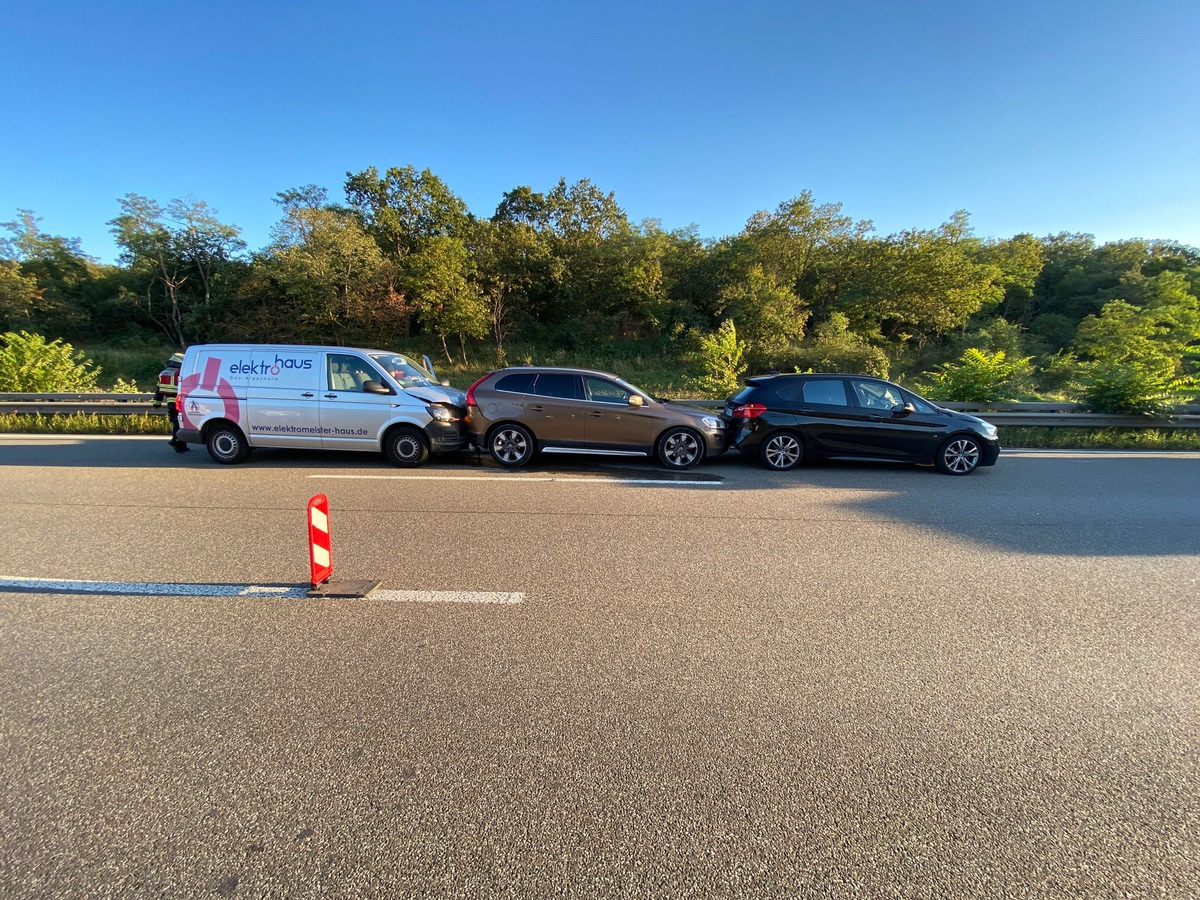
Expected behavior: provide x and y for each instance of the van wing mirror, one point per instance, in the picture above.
(374, 387)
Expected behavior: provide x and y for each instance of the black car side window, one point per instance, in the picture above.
(557, 384)
(825, 392)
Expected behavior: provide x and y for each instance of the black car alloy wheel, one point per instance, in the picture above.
(959, 456)
(781, 451)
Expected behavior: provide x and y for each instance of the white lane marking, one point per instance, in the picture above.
(150, 588)
(599, 480)
(168, 589)
(447, 596)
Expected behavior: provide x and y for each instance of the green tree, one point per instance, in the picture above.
(721, 355)
(448, 301)
(978, 377)
(178, 252)
(29, 363)
(833, 347)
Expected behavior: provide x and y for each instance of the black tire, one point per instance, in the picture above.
(406, 447)
(226, 444)
(511, 445)
(781, 450)
(680, 448)
(959, 455)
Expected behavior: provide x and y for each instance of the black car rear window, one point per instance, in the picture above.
(516, 383)
(557, 384)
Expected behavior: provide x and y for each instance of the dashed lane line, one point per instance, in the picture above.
(283, 591)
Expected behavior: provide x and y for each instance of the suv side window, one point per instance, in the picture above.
(557, 384)
(516, 383)
(601, 390)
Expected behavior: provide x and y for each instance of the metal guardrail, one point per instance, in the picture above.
(1033, 413)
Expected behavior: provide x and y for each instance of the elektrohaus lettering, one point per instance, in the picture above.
(264, 367)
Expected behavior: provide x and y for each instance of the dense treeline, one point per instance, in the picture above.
(400, 259)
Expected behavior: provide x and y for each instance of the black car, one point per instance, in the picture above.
(784, 418)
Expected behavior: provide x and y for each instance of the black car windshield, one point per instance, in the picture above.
(406, 372)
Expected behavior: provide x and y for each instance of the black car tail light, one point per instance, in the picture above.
(749, 411)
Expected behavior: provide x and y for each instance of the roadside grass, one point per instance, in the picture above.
(83, 423)
(1011, 436)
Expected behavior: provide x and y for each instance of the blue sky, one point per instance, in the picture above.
(1035, 117)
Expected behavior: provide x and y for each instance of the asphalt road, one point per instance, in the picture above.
(843, 681)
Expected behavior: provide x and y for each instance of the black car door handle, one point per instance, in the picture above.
(874, 418)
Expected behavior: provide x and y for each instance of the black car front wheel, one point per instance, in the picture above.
(511, 445)
(960, 455)
(781, 451)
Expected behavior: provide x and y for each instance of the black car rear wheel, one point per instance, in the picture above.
(781, 451)
(960, 455)
(511, 445)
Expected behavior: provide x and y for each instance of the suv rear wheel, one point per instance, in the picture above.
(511, 445)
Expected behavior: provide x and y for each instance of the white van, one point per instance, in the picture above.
(235, 397)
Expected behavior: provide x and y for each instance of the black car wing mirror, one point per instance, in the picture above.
(906, 409)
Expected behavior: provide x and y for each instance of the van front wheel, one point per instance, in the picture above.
(227, 445)
(406, 447)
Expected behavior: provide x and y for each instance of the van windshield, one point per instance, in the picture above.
(406, 372)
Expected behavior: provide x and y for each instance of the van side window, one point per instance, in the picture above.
(349, 373)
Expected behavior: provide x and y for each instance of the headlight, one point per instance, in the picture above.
(989, 429)
(440, 413)
(713, 422)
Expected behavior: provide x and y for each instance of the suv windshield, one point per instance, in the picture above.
(406, 372)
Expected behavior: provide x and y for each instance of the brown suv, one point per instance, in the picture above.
(513, 413)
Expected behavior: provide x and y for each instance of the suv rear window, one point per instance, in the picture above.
(516, 383)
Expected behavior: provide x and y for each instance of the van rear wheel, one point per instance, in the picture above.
(406, 447)
(226, 444)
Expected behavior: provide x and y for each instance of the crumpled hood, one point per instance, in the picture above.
(440, 394)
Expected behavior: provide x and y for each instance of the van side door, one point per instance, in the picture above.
(281, 397)
(353, 418)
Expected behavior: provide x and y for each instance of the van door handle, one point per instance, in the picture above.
(307, 394)
(327, 396)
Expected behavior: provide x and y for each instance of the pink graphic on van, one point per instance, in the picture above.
(211, 380)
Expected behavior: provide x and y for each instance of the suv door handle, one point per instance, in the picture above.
(537, 409)
(596, 415)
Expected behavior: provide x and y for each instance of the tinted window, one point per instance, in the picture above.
(826, 393)
(517, 383)
(744, 394)
(601, 390)
(878, 395)
(557, 384)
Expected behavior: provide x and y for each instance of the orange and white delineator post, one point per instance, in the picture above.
(320, 550)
